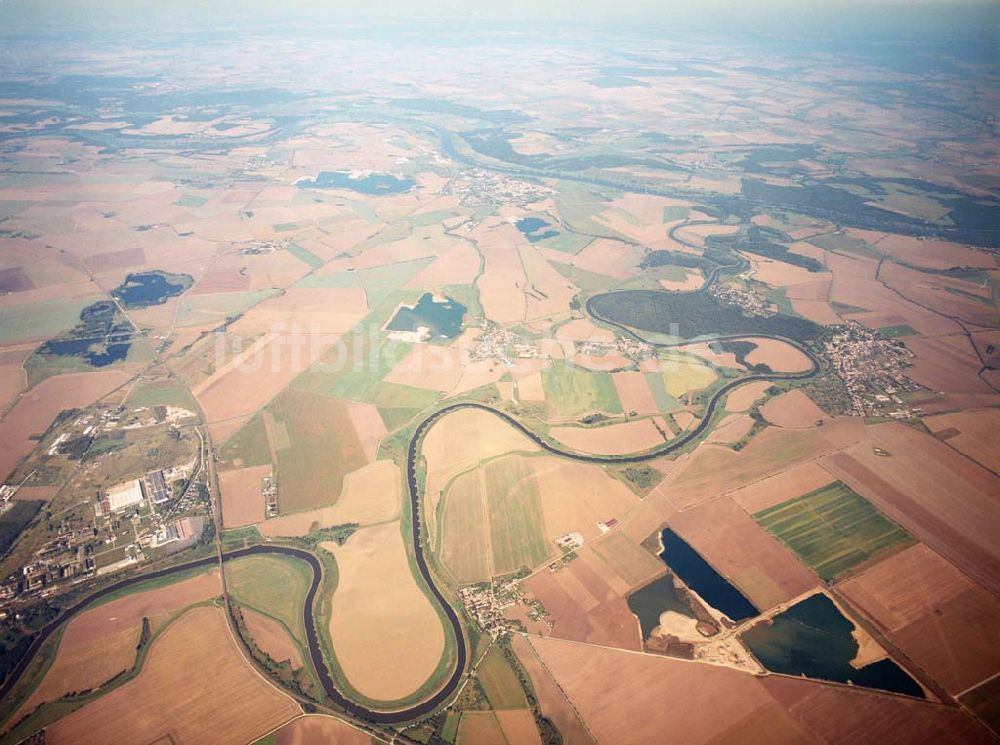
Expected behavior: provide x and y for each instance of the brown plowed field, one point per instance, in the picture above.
(271, 638)
(36, 409)
(370, 495)
(551, 700)
(712, 470)
(242, 499)
(976, 433)
(319, 728)
(939, 496)
(614, 439)
(939, 617)
(730, 540)
(842, 714)
(586, 599)
(626, 697)
(792, 410)
(178, 695)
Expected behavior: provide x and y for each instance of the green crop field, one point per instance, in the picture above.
(463, 530)
(894, 332)
(832, 529)
(306, 256)
(323, 447)
(515, 515)
(398, 404)
(249, 445)
(657, 386)
(572, 391)
(273, 585)
(196, 310)
(501, 685)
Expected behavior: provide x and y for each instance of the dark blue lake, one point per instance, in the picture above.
(699, 575)
(442, 318)
(150, 288)
(657, 597)
(373, 183)
(813, 638)
(530, 227)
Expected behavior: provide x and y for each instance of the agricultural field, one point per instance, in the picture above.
(387, 644)
(515, 516)
(234, 703)
(322, 447)
(572, 392)
(273, 586)
(473, 328)
(832, 529)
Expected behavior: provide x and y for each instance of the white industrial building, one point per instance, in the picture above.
(122, 496)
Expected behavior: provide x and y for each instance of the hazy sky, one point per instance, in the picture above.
(928, 16)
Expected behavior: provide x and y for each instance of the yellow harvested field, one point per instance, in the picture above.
(430, 367)
(576, 495)
(459, 265)
(583, 329)
(793, 410)
(780, 274)
(316, 728)
(553, 704)
(974, 433)
(697, 233)
(368, 424)
(100, 642)
(693, 280)
(780, 356)
(178, 696)
(704, 350)
(502, 283)
(547, 292)
(459, 441)
(746, 395)
(242, 497)
(370, 495)
(305, 311)
(934, 254)
(387, 636)
(530, 388)
(681, 376)
(614, 439)
(732, 429)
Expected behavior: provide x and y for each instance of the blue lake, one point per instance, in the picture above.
(150, 288)
(530, 227)
(813, 638)
(699, 575)
(373, 183)
(442, 318)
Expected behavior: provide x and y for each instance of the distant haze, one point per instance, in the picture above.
(826, 17)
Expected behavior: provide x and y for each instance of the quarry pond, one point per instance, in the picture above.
(441, 316)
